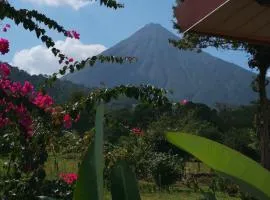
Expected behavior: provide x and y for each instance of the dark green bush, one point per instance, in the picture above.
(57, 189)
(166, 169)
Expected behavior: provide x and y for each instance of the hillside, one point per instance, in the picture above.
(61, 90)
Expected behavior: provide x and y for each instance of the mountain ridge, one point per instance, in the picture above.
(198, 77)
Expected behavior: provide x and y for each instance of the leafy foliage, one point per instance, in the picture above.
(223, 159)
(24, 173)
(258, 59)
(90, 182)
(166, 169)
(124, 183)
(144, 93)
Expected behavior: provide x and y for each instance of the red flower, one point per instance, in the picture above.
(69, 178)
(67, 121)
(27, 88)
(73, 34)
(4, 70)
(43, 101)
(137, 131)
(70, 60)
(184, 102)
(68, 33)
(76, 35)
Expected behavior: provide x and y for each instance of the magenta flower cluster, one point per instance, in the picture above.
(73, 34)
(11, 91)
(69, 178)
(4, 46)
(17, 90)
(137, 131)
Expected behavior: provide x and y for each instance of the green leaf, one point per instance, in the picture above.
(124, 183)
(90, 182)
(250, 176)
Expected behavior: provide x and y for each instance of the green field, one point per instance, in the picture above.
(176, 196)
(148, 190)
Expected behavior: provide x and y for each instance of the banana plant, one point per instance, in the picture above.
(90, 182)
(124, 184)
(248, 174)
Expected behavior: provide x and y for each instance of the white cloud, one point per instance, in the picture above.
(76, 4)
(40, 60)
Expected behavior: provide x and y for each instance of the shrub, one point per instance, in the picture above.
(227, 186)
(57, 189)
(166, 169)
(112, 155)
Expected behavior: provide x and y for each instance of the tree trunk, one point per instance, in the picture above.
(263, 120)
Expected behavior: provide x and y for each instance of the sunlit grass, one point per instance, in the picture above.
(60, 164)
(70, 164)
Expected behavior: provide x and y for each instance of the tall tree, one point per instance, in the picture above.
(259, 59)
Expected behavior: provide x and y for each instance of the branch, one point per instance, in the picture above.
(144, 93)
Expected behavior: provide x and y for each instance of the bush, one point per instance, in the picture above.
(57, 189)
(112, 155)
(227, 186)
(166, 169)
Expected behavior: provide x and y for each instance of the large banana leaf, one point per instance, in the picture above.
(250, 176)
(124, 183)
(90, 182)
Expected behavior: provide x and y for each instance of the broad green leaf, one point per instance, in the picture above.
(250, 176)
(124, 183)
(90, 182)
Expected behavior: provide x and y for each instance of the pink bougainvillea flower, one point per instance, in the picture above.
(69, 178)
(69, 34)
(4, 46)
(73, 34)
(43, 101)
(67, 121)
(14, 113)
(5, 28)
(27, 88)
(137, 131)
(4, 70)
(184, 102)
(76, 35)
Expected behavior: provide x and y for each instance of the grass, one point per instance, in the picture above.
(196, 167)
(70, 164)
(148, 190)
(177, 192)
(60, 164)
(2, 163)
(176, 196)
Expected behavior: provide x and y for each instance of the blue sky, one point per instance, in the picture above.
(98, 26)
